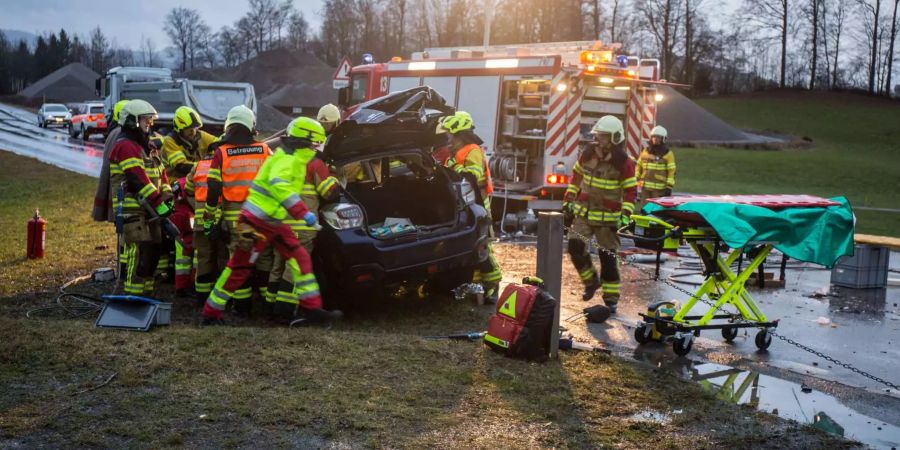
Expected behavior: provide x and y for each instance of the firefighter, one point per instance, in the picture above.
(237, 158)
(186, 143)
(103, 210)
(655, 169)
(468, 159)
(140, 173)
(210, 250)
(601, 194)
(274, 198)
(319, 186)
(329, 116)
(184, 251)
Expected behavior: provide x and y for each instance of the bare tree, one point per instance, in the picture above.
(773, 15)
(814, 13)
(663, 19)
(180, 25)
(890, 53)
(872, 13)
(298, 31)
(148, 52)
(99, 51)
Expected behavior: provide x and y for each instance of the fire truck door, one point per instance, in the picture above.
(480, 97)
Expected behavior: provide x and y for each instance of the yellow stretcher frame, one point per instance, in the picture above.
(722, 287)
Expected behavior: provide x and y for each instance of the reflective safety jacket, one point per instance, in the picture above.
(601, 189)
(275, 192)
(235, 166)
(656, 169)
(470, 158)
(176, 151)
(196, 187)
(142, 172)
(319, 184)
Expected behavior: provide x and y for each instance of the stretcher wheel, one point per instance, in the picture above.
(682, 345)
(642, 333)
(729, 333)
(763, 339)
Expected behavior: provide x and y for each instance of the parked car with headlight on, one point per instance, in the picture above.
(402, 218)
(53, 114)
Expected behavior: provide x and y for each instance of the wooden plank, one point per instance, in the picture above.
(883, 241)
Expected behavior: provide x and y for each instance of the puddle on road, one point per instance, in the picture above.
(781, 397)
(653, 416)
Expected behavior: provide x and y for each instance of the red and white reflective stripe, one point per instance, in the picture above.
(573, 121)
(556, 116)
(633, 125)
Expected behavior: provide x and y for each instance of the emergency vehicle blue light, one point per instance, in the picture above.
(367, 58)
(622, 60)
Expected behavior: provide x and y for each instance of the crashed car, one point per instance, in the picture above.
(402, 219)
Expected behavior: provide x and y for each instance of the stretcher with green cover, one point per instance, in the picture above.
(722, 231)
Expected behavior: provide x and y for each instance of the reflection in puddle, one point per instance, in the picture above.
(783, 398)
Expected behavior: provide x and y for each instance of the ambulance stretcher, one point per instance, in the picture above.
(664, 229)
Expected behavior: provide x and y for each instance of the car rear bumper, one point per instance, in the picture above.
(354, 260)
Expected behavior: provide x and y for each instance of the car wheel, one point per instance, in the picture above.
(84, 134)
(40, 124)
(71, 131)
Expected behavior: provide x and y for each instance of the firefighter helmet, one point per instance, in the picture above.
(243, 115)
(133, 110)
(118, 108)
(460, 121)
(306, 129)
(611, 125)
(661, 132)
(186, 117)
(328, 114)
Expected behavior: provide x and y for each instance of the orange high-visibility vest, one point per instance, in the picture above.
(240, 163)
(201, 183)
(463, 153)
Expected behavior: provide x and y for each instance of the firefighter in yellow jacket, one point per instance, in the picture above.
(655, 171)
(468, 158)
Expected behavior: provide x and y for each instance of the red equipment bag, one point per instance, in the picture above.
(522, 325)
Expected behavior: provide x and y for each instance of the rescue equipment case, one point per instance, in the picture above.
(522, 325)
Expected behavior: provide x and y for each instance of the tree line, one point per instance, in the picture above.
(810, 44)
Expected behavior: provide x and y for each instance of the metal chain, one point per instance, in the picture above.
(592, 244)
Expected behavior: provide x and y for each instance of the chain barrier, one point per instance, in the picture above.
(592, 245)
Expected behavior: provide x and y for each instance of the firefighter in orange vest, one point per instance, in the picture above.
(469, 159)
(319, 186)
(210, 251)
(237, 158)
(137, 170)
(600, 195)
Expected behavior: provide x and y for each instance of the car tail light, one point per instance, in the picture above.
(364, 277)
(557, 179)
(343, 216)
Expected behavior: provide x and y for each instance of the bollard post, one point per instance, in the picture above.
(549, 265)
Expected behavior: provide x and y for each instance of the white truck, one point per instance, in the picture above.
(211, 99)
(533, 105)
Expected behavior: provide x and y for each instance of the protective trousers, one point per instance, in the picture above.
(141, 259)
(254, 236)
(487, 273)
(280, 290)
(647, 194)
(210, 259)
(184, 254)
(608, 246)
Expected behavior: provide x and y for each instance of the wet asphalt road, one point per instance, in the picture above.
(20, 134)
(859, 327)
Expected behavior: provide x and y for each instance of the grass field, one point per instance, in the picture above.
(854, 153)
(371, 381)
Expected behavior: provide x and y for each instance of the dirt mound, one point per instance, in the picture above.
(688, 122)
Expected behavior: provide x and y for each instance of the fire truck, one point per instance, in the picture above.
(533, 105)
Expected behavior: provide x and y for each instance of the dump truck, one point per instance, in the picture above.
(211, 99)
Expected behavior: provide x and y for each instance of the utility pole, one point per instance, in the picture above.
(488, 18)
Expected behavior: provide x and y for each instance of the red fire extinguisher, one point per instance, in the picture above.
(37, 233)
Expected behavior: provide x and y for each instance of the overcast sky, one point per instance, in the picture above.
(125, 20)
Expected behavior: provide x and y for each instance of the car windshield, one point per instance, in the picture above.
(97, 109)
(55, 108)
(360, 85)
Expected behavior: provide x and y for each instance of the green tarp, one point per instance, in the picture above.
(817, 235)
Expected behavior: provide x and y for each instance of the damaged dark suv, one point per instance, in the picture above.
(402, 219)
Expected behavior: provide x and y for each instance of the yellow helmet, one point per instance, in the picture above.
(611, 125)
(308, 129)
(186, 117)
(242, 115)
(460, 121)
(328, 114)
(118, 108)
